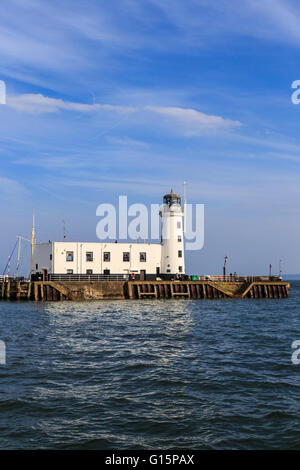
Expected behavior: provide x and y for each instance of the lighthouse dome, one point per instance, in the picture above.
(172, 199)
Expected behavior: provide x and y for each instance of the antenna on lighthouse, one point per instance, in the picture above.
(33, 229)
(64, 229)
(32, 243)
(184, 204)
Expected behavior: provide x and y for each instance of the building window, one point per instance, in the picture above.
(180, 269)
(178, 224)
(179, 238)
(69, 271)
(70, 256)
(126, 256)
(106, 272)
(179, 254)
(89, 256)
(51, 257)
(143, 257)
(168, 270)
(36, 266)
(106, 256)
(89, 271)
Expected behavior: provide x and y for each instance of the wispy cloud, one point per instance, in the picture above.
(37, 103)
(193, 122)
(10, 187)
(274, 20)
(64, 37)
(127, 142)
(190, 121)
(54, 163)
(277, 19)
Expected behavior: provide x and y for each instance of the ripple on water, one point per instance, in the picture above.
(150, 374)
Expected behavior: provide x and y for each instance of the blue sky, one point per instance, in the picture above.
(134, 97)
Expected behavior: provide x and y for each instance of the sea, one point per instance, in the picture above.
(151, 374)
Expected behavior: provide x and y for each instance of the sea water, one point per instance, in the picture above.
(150, 374)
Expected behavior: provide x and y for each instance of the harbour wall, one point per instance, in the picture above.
(118, 290)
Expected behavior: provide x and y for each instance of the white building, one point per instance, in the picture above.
(166, 258)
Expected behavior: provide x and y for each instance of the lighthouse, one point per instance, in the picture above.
(172, 244)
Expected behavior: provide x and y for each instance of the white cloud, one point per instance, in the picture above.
(38, 103)
(193, 122)
(127, 141)
(189, 121)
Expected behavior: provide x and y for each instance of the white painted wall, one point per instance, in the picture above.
(79, 265)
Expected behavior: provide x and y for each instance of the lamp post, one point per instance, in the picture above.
(270, 271)
(280, 268)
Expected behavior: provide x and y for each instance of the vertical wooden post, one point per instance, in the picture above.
(129, 289)
(285, 291)
(18, 290)
(47, 292)
(42, 291)
(36, 292)
(161, 290)
(192, 291)
(209, 291)
(29, 291)
(188, 289)
(8, 290)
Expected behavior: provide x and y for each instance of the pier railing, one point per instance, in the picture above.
(126, 277)
(87, 277)
(235, 278)
(6, 278)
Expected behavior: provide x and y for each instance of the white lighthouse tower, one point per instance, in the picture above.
(172, 250)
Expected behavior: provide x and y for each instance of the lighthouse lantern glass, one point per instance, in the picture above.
(172, 200)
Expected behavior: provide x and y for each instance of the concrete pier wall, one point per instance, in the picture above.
(118, 290)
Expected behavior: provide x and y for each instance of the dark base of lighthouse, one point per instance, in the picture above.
(119, 290)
